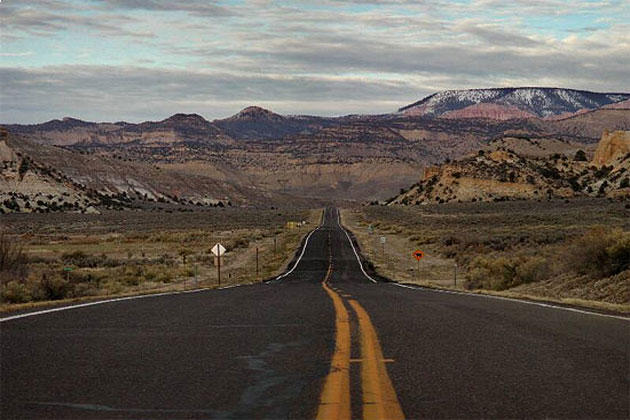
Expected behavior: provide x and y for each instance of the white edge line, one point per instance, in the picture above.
(83, 305)
(353, 249)
(526, 302)
(100, 302)
(303, 250)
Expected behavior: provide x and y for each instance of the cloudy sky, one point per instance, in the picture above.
(135, 60)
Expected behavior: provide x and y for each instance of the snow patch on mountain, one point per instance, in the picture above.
(537, 101)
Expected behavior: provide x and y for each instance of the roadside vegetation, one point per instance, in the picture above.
(76, 256)
(575, 251)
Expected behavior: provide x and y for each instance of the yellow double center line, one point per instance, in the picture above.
(379, 397)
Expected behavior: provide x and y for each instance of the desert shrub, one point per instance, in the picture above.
(580, 156)
(24, 167)
(449, 240)
(130, 280)
(85, 289)
(619, 255)
(488, 273)
(532, 269)
(503, 273)
(187, 272)
(603, 171)
(13, 260)
(165, 276)
(15, 292)
(237, 243)
(51, 287)
(81, 259)
(184, 253)
(151, 275)
(602, 251)
(167, 260)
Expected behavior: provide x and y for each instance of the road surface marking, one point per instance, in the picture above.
(527, 302)
(334, 400)
(379, 397)
(303, 250)
(356, 254)
(83, 305)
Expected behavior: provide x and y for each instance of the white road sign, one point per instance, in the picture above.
(383, 239)
(218, 250)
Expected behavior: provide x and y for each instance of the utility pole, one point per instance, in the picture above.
(256, 263)
(274, 245)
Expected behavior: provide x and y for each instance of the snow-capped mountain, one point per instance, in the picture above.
(506, 103)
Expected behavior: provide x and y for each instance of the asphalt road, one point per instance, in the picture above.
(321, 342)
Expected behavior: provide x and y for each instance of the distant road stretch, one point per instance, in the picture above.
(325, 341)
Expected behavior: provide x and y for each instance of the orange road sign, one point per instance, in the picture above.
(417, 254)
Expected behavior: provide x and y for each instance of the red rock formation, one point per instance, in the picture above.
(489, 110)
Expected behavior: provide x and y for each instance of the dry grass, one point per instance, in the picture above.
(530, 249)
(150, 256)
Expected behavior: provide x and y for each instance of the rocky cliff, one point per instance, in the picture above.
(612, 147)
(502, 174)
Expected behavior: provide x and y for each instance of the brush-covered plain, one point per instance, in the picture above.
(51, 257)
(573, 251)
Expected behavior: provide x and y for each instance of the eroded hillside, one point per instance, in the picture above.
(503, 174)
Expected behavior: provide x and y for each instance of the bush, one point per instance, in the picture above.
(600, 252)
(619, 255)
(51, 287)
(15, 292)
(503, 273)
(13, 260)
(532, 269)
(81, 259)
(580, 156)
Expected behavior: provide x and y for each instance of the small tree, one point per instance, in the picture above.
(580, 156)
(184, 253)
(13, 260)
(23, 168)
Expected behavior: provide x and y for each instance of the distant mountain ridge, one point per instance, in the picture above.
(520, 102)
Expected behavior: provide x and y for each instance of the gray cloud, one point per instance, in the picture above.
(324, 60)
(115, 93)
(42, 22)
(196, 7)
(494, 35)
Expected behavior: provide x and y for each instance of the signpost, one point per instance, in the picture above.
(455, 277)
(68, 270)
(218, 250)
(418, 255)
(383, 240)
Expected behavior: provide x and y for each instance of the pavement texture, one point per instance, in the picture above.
(324, 341)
